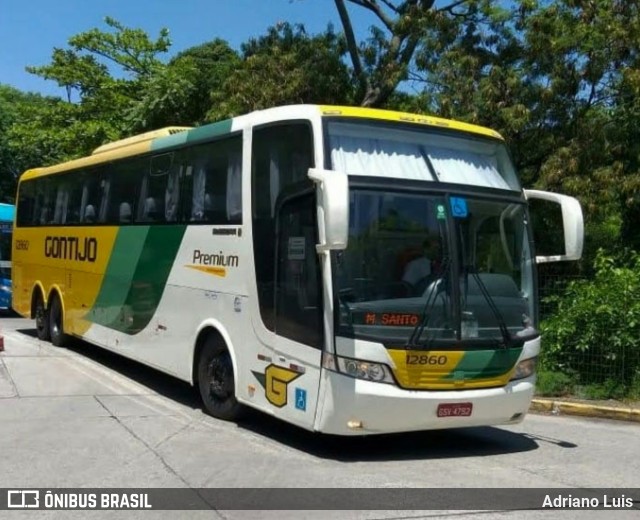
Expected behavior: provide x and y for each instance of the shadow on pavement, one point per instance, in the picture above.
(434, 444)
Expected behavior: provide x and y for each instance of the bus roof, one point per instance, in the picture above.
(6, 212)
(165, 138)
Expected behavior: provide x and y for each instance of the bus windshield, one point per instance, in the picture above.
(419, 269)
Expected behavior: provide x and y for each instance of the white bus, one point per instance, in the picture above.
(351, 271)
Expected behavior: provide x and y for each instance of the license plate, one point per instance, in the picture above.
(455, 409)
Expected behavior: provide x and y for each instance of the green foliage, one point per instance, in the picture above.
(554, 384)
(559, 80)
(285, 66)
(595, 331)
(16, 109)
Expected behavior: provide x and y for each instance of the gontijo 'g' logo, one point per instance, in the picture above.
(275, 381)
(213, 263)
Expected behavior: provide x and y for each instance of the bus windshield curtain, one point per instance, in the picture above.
(392, 158)
(465, 167)
(363, 156)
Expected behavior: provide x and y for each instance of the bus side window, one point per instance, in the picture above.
(123, 188)
(93, 192)
(45, 198)
(151, 202)
(74, 199)
(212, 185)
(26, 204)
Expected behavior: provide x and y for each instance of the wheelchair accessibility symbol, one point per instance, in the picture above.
(459, 207)
(301, 399)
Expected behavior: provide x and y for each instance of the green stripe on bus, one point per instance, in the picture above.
(482, 364)
(201, 133)
(150, 278)
(210, 131)
(119, 273)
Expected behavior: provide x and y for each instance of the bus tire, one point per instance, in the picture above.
(216, 382)
(56, 323)
(41, 315)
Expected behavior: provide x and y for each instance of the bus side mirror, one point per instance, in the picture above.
(333, 207)
(572, 224)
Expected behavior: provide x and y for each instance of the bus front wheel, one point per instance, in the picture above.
(216, 382)
(56, 324)
(41, 315)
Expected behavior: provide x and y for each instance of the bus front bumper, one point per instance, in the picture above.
(357, 407)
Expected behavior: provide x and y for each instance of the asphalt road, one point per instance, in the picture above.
(83, 417)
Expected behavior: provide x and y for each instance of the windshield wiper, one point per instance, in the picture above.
(506, 335)
(425, 315)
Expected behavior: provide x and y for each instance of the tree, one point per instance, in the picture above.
(556, 78)
(385, 60)
(283, 67)
(10, 99)
(110, 77)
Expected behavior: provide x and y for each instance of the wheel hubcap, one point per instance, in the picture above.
(40, 318)
(219, 373)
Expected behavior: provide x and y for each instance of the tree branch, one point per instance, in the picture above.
(352, 46)
(449, 8)
(390, 5)
(373, 6)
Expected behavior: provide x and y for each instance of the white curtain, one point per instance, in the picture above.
(234, 185)
(274, 178)
(379, 157)
(171, 196)
(403, 154)
(199, 185)
(465, 167)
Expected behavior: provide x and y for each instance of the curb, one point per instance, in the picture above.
(623, 413)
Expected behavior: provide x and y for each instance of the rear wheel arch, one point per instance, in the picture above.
(40, 312)
(204, 333)
(214, 374)
(37, 293)
(56, 310)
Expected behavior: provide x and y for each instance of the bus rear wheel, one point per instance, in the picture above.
(41, 315)
(216, 382)
(56, 324)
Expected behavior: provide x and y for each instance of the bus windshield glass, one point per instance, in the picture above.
(418, 268)
(420, 153)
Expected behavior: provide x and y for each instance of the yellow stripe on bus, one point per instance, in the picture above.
(218, 271)
(390, 115)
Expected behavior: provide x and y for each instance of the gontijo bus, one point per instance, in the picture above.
(349, 270)
(6, 229)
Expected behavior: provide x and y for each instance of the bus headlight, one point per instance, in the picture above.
(526, 368)
(357, 368)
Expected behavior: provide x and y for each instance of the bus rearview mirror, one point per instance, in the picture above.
(572, 224)
(333, 207)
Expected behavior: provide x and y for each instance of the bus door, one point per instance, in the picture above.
(288, 324)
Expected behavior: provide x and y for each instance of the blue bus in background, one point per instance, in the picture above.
(7, 212)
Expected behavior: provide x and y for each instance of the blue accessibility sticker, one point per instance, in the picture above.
(301, 399)
(459, 207)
